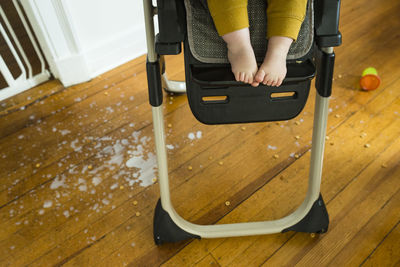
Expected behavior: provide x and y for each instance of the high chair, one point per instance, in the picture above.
(216, 98)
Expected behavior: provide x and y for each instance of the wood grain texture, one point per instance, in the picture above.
(70, 193)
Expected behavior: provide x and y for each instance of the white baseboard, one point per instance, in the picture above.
(71, 70)
(102, 58)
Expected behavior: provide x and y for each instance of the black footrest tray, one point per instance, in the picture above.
(216, 98)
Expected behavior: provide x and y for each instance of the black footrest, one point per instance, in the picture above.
(216, 98)
(221, 74)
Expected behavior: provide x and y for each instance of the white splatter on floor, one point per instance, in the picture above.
(47, 204)
(58, 182)
(96, 181)
(272, 147)
(74, 146)
(193, 136)
(170, 147)
(65, 132)
(146, 168)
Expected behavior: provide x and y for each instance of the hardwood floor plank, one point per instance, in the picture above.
(62, 134)
(388, 253)
(370, 236)
(207, 261)
(15, 103)
(58, 96)
(68, 99)
(15, 177)
(349, 212)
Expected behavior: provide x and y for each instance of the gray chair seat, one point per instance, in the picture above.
(207, 47)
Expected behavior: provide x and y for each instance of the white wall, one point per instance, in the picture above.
(84, 38)
(110, 32)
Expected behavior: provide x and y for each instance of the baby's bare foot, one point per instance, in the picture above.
(273, 70)
(241, 55)
(243, 62)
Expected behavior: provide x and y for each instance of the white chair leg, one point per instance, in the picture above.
(170, 227)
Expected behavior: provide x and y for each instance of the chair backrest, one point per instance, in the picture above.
(207, 47)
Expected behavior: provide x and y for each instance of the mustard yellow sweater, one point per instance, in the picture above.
(284, 17)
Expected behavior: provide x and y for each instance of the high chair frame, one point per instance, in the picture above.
(311, 216)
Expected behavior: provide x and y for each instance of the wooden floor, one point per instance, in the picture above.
(77, 168)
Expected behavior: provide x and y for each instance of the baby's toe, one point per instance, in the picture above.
(242, 76)
(280, 80)
(246, 78)
(237, 76)
(268, 80)
(260, 75)
(275, 81)
(250, 78)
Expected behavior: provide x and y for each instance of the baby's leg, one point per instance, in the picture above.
(241, 55)
(284, 19)
(232, 23)
(273, 69)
